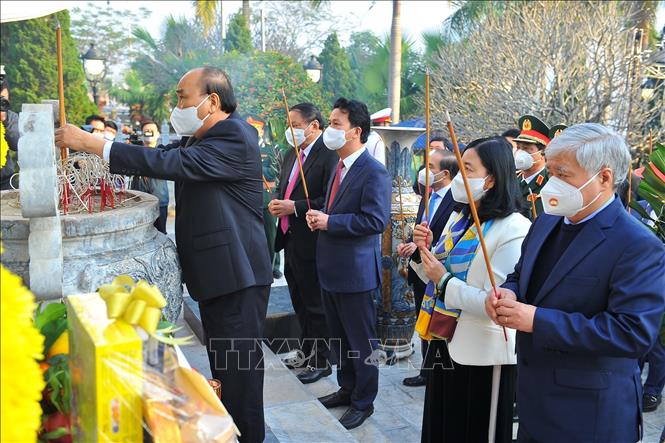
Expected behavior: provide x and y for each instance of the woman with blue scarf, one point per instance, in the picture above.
(465, 344)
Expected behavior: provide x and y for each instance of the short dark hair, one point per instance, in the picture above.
(449, 163)
(144, 123)
(438, 136)
(496, 155)
(111, 124)
(358, 115)
(91, 118)
(309, 113)
(512, 133)
(216, 81)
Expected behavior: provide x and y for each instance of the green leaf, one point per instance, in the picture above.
(50, 313)
(60, 432)
(640, 210)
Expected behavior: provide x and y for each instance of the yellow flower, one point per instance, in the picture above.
(21, 345)
(4, 147)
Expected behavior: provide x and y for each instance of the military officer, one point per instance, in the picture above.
(530, 161)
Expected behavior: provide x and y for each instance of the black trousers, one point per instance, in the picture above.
(160, 223)
(233, 326)
(457, 400)
(352, 321)
(305, 291)
(418, 294)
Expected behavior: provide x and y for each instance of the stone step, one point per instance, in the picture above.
(292, 411)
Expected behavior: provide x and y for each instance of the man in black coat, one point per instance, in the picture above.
(443, 167)
(223, 253)
(298, 241)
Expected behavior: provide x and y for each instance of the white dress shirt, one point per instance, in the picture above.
(349, 161)
(441, 193)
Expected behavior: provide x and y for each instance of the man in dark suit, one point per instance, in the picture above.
(443, 167)
(219, 229)
(438, 142)
(298, 241)
(586, 297)
(357, 210)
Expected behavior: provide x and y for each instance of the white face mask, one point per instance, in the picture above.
(149, 141)
(563, 199)
(300, 136)
(524, 160)
(477, 186)
(109, 136)
(98, 135)
(432, 177)
(186, 121)
(334, 139)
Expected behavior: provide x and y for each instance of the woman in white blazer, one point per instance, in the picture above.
(457, 400)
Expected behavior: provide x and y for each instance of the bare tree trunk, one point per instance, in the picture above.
(395, 73)
(246, 11)
(221, 26)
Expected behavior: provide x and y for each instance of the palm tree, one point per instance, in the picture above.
(246, 11)
(207, 13)
(395, 72)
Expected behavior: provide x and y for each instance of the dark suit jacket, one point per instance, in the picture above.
(348, 254)
(597, 313)
(441, 216)
(219, 221)
(319, 166)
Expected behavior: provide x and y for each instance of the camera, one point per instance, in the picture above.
(135, 137)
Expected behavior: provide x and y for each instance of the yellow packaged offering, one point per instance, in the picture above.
(107, 373)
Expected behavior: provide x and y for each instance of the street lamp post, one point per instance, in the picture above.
(94, 67)
(313, 69)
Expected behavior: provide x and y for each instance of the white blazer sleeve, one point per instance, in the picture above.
(471, 299)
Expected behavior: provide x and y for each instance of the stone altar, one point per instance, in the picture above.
(57, 254)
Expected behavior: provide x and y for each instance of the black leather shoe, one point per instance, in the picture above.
(335, 399)
(353, 418)
(311, 374)
(650, 402)
(418, 380)
(277, 274)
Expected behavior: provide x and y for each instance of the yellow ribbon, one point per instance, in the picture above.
(134, 303)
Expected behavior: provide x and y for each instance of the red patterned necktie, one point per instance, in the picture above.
(284, 221)
(335, 185)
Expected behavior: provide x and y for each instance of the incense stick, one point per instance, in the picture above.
(427, 137)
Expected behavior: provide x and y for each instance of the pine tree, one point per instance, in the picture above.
(238, 38)
(337, 79)
(28, 51)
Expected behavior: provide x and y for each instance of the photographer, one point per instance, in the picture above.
(10, 121)
(154, 186)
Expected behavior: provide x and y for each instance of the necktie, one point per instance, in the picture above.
(335, 185)
(432, 201)
(284, 221)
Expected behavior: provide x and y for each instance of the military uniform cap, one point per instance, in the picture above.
(381, 116)
(532, 130)
(556, 130)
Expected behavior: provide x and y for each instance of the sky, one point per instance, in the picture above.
(417, 16)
